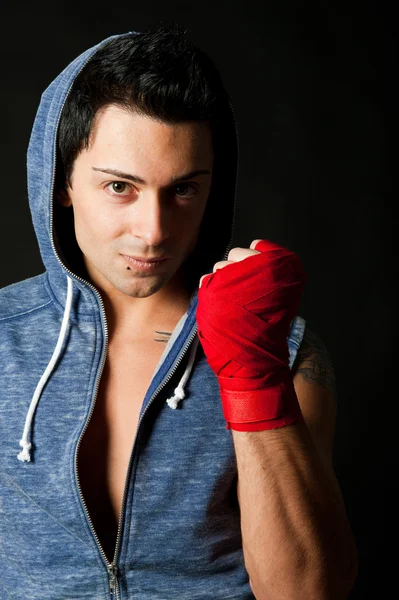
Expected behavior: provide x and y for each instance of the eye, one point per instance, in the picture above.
(184, 186)
(118, 187)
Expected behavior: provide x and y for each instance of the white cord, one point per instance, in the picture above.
(179, 393)
(24, 455)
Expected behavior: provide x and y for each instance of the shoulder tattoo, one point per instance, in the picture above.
(313, 361)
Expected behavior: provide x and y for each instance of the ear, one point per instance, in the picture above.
(62, 196)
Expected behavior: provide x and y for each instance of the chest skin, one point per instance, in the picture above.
(106, 446)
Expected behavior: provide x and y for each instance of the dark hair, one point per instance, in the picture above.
(158, 74)
(162, 75)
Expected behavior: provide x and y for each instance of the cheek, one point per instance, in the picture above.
(198, 218)
(93, 223)
(190, 228)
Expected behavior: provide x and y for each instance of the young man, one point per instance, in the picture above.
(153, 466)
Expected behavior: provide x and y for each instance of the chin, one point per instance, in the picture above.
(142, 287)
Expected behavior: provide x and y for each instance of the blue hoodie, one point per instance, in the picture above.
(179, 531)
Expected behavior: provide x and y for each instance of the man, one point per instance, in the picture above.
(153, 466)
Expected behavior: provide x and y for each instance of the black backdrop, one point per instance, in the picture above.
(313, 85)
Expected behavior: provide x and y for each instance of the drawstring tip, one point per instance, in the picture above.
(24, 455)
(174, 401)
(179, 393)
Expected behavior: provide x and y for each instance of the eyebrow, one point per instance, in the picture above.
(141, 181)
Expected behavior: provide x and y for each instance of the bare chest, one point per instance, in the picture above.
(107, 443)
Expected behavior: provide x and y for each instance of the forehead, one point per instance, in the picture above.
(116, 129)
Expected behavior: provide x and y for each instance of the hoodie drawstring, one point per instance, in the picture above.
(24, 455)
(179, 392)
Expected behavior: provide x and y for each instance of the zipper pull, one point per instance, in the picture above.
(113, 574)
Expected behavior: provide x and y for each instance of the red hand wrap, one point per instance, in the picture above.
(244, 314)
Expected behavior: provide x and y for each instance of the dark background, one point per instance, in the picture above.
(313, 86)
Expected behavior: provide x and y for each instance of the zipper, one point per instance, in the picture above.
(112, 573)
(112, 568)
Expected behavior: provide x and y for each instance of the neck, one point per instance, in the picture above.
(142, 319)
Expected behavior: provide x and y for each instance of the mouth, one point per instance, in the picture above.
(143, 259)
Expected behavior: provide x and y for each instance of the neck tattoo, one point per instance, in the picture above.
(162, 336)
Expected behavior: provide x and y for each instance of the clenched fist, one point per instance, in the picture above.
(245, 308)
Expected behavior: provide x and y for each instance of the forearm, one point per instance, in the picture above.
(296, 539)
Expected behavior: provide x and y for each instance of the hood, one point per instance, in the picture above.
(54, 229)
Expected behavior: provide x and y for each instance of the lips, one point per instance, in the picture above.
(141, 259)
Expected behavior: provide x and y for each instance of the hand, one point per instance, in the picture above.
(245, 308)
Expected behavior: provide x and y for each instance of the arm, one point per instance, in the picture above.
(297, 541)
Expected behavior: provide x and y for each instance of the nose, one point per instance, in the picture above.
(151, 219)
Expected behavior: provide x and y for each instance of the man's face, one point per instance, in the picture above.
(117, 216)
